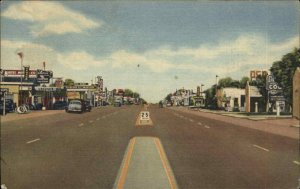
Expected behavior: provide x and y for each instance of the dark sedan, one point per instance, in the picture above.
(60, 105)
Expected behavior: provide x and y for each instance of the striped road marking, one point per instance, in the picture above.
(91, 121)
(259, 147)
(31, 141)
(80, 125)
(207, 127)
(199, 123)
(145, 151)
(191, 120)
(97, 118)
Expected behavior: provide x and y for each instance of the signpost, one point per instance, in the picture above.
(275, 93)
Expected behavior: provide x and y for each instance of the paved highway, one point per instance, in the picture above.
(104, 149)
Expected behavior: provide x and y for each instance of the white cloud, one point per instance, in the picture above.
(286, 45)
(50, 18)
(79, 61)
(34, 54)
(123, 58)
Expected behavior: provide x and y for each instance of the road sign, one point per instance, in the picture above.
(26, 73)
(145, 115)
(144, 119)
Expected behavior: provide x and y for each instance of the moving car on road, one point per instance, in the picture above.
(76, 106)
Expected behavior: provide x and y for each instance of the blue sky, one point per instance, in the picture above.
(176, 44)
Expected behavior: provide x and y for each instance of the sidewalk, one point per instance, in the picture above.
(38, 113)
(284, 126)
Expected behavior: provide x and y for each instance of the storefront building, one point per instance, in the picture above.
(231, 99)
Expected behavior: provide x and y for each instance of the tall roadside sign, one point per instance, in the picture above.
(275, 93)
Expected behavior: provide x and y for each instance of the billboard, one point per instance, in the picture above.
(18, 73)
(255, 73)
(44, 76)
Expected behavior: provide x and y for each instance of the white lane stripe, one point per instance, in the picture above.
(97, 119)
(199, 123)
(296, 162)
(262, 148)
(31, 141)
(91, 121)
(81, 124)
(207, 127)
(191, 120)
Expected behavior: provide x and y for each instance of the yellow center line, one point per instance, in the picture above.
(165, 164)
(125, 167)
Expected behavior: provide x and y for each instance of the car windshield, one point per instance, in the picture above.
(75, 102)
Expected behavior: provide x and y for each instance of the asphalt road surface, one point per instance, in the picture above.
(103, 148)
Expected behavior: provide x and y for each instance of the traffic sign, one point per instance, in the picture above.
(144, 119)
(145, 115)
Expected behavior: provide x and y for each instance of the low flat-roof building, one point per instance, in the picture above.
(232, 99)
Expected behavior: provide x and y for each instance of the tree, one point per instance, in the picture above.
(128, 92)
(243, 82)
(210, 97)
(168, 97)
(69, 82)
(283, 72)
(228, 82)
(135, 95)
(225, 82)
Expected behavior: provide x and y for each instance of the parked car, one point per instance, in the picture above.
(117, 103)
(76, 106)
(88, 106)
(9, 106)
(37, 106)
(60, 105)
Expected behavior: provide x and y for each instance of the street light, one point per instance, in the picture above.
(217, 79)
(21, 55)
